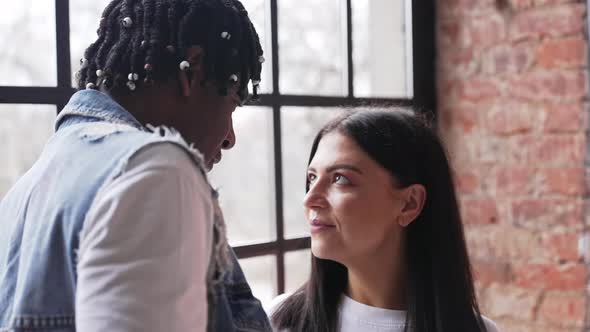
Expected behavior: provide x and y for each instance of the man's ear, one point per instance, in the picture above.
(195, 73)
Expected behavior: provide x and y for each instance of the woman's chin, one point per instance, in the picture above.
(322, 250)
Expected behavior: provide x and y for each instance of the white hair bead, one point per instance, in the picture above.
(233, 78)
(90, 86)
(184, 65)
(99, 73)
(131, 85)
(127, 22)
(261, 59)
(133, 77)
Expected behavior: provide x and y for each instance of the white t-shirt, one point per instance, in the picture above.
(358, 317)
(145, 248)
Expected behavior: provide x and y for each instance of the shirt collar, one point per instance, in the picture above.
(92, 105)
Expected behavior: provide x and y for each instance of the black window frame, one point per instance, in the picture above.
(424, 90)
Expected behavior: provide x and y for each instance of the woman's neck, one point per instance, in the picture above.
(379, 282)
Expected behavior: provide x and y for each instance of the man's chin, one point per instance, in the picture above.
(209, 165)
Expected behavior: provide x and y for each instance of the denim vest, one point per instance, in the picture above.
(42, 215)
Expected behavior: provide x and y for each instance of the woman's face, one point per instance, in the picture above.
(352, 204)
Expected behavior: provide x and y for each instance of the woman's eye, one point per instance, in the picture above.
(341, 179)
(311, 177)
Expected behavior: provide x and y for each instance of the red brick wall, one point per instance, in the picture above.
(512, 88)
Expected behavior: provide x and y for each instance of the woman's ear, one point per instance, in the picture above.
(192, 75)
(413, 203)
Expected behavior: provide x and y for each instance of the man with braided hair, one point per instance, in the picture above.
(115, 227)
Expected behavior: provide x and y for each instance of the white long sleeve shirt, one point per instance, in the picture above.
(354, 316)
(145, 248)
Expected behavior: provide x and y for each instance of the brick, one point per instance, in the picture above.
(450, 33)
(550, 276)
(511, 118)
(462, 118)
(455, 62)
(508, 58)
(542, 214)
(520, 4)
(504, 243)
(495, 150)
(488, 272)
(477, 31)
(509, 243)
(562, 53)
(485, 30)
(504, 301)
(460, 147)
(514, 181)
(466, 182)
(553, 2)
(548, 22)
(479, 90)
(565, 310)
(562, 247)
(543, 86)
(518, 325)
(479, 211)
(556, 150)
(565, 118)
(453, 8)
(569, 181)
(446, 91)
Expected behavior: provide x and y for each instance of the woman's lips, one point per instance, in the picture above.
(318, 226)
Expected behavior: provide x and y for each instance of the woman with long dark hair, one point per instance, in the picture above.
(388, 248)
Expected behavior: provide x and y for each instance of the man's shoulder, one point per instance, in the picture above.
(167, 156)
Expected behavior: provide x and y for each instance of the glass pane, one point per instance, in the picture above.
(297, 269)
(296, 147)
(84, 18)
(259, 12)
(24, 130)
(312, 47)
(382, 51)
(245, 178)
(30, 63)
(85, 15)
(261, 275)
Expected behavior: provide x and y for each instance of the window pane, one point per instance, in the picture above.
(24, 130)
(382, 55)
(261, 275)
(84, 18)
(297, 269)
(259, 13)
(296, 147)
(245, 178)
(85, 15)
(312, 47)
(30, 63)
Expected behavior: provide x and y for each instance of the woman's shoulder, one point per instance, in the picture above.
(490, 325)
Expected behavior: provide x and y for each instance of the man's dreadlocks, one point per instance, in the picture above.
(142, 41)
